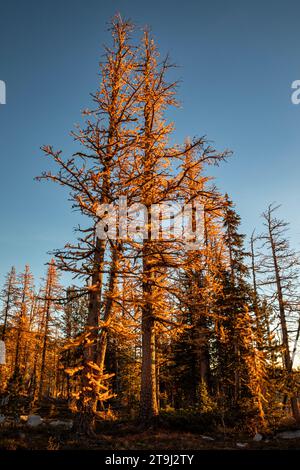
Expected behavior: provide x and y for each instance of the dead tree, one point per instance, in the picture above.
(280, 270)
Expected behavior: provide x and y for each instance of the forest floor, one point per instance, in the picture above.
(126, 437)
(45, 439)
(177, 431)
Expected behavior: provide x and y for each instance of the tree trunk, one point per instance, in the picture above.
(102, 344)
(84, 422)
(285, 338)
(148, 405)
(45, 338)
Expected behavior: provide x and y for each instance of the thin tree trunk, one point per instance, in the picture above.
(6, 312)
(256, 309)
(45, 341)
(285, 339)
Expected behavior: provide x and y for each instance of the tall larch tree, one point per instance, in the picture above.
(106, 139)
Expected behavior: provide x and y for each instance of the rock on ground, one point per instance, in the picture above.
(34, 421)
(241, 445)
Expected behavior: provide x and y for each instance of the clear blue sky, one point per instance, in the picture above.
(237, 62)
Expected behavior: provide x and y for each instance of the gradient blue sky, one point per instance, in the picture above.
(237, 62)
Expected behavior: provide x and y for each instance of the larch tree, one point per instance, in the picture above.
(107, 139)
(125, 153)
(50, 295)
(157, 184)
(21, 326)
